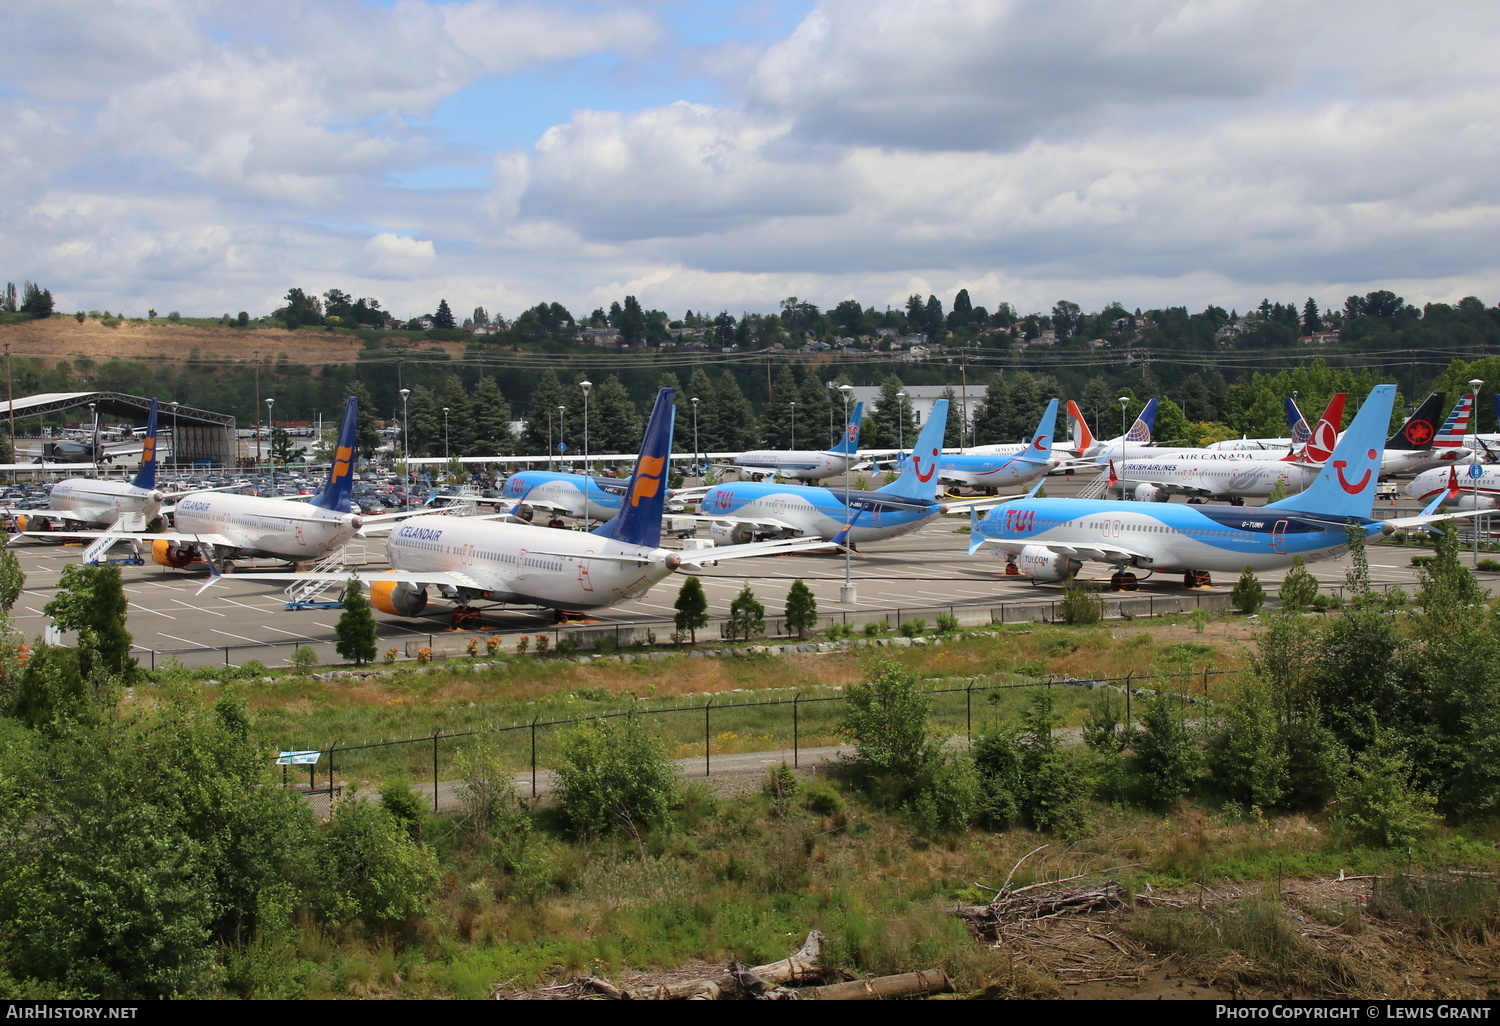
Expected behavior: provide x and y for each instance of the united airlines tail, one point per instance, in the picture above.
(639, 522)
(1141, 430)
(146, 478)
(919, 479)
(1420, 428)
(1346, 485)
(339, 488)
(1296, 424)
(849, 444)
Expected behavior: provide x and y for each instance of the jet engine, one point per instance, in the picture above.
(1151, 493)
(725, 533)
(398, 598)
(1044, 564)
(1466, 500)
(165, 553)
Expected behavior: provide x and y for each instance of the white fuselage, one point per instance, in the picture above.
(101, 503)
(529, 565)
(1219, 475)
(263, 527)
(801, 465)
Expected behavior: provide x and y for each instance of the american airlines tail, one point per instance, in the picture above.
(1080, 437)
(1346, 485)
(849, 444)
(339, 488)
(146, 478)
(1459, 423)
(1325, 436)
(639, 522)
(919, 479)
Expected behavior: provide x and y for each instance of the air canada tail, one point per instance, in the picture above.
(919, 479)
(1346, 485)
(1325, 436)
(146, 478)
(339, 488)
(1420, 428)
(1082, 438)
(849, 444)
(1296, 424)
(639, 522)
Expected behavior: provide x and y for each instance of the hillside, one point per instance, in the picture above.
(65, 338)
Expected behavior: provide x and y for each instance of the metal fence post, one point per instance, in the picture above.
(533, 753)
(434, 774)
(707, 744)
(969, 708)
(796, 732)
(1129, 677)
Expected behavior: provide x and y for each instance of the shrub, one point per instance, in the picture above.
(911, 628)
(877, 628)
(885, 718)
(1248, 595)
(1298, 588)
(948, 799)
(1326, 603)
(947, 623)
(424, 655)
(1081, 602)
(542, 641)
(492, 646)
(1490, 565)
(370, 868)
(1165, 756)
(615, 774)
(838, 631)
(522, 643)
(1377, 801)
(472, 648)
(747, 617)
(781, 786)
(401, 801)
(304, 658)
(390, 656)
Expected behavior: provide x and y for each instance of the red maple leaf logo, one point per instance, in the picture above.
(1419, 432)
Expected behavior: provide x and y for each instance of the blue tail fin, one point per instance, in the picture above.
(639, 522)
(849, 444)
(919, 478)
(1346, 485)
(1296, 424)
(147, 476)
(1141, 430)
(1040, 449)
(339, 487)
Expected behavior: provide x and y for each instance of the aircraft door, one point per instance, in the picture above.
(583, 571)
(1278, 537)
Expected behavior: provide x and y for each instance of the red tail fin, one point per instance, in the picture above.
(1325, 434)
(1082, 437)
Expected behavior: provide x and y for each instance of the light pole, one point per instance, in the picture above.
(176, 460)
(94, 439)
(562, 423)
(794, 427)
(846, 593)
(271, 433)
(548, 451)
(446, 457)
(900, 424)
(1124, 401)
(697, 463)
(587, 386)
(406, 447)
(1475, 471)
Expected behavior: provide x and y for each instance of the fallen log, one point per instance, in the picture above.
(800, 968)
(882, 988)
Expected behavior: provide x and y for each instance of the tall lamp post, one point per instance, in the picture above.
(794, 426)
(271, 433)
(900, 424)
(94, 438)
(586, 386)
(847, 595)
(697, 462)
(562, 424)
(446, 457)
(1475, 470)
(548, 451)
(1124, 401)
(176, 460)
(406, 447)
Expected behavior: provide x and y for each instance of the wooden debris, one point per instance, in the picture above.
(882, 988)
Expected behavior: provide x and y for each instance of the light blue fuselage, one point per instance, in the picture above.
(567, 492)
(815, 512)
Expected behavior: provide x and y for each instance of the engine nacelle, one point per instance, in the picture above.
(1151, 493)
(725, 533)
(1466, 500)
(165, 553)
(1044, 564)
(398, 598)
(521, 511)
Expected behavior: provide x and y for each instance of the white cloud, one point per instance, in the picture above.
(396, 256)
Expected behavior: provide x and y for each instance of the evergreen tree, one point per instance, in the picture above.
(491, 422)
(776, 418)
(91, 601)
(424, 423)
(1165, 756)
(614, 422)
(366, 434)
(1298, 587)
(891, 423)
(801, 609)
(542, 419)
(459, 420)
(747, 617)
(36, 300)
(356, 626)
(12, 580)
(692, 607)
(444, 316)
(1248, 595)
(734, 422)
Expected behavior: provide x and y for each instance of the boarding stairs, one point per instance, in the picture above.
(1096, 488)
(120, 530)
(313, 593)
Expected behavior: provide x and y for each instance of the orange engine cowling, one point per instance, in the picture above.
(164, 553)
(398, 598)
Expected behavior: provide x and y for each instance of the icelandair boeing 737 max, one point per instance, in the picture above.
(1050, 539)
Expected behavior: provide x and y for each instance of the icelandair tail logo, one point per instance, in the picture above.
(647, 479)
(341, 461)
(1353, 489)
(149, 452)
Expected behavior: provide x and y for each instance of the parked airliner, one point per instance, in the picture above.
(1049, 539)
(806, 465)
(741, 511)
(466, 558)
(994, 471)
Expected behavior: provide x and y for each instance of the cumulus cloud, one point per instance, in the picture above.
(396, 256)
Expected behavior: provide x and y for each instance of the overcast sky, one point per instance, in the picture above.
(206, 155)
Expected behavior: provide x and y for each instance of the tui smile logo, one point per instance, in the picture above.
(1359, 486)
(931, 469)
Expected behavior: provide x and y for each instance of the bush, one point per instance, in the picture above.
(911, 628)
(886, 720)
(1298, 588)
(1081, 602)
(877, 628)
(1490, 565)
(371, 868)
(1248, 595)
(949, 798)
(747, 617)
(838, 631)
(1165, 757)
(1377, 801)
(304, 658)
(947, 623)
(1327, 603)
(615, 774)
(406, 805)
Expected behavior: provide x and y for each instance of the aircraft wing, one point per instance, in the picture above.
(697, 559)
(760, 524)
(1112, 554)
(441, 578)
(44, 514)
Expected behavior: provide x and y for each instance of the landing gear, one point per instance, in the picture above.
(557, 522)
(1011, 570)
(1197, 579)
(226, 567)
(465, 618)
(1238, 500)
(1123, 580)
(568, 616)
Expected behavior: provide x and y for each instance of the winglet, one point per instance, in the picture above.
(146, 478)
